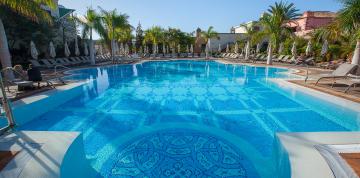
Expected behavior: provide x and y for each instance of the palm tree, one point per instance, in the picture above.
(210, 33)
(28, 9)
(154, 35)
(91, 21)
(274, 23)
(349, 15)
(173, 37)
(251, 32)
(114, 26)
(349, 18)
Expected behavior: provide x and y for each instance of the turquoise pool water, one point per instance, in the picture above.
(188, 118)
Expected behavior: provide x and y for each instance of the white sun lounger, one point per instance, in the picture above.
(342, 71)
(349, 81)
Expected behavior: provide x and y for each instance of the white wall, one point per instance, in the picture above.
(224, 39)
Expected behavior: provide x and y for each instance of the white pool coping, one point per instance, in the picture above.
(305, 160)
(54, 156)
(45, 94)
(319, 94)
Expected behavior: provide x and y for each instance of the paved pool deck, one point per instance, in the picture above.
(44, 154)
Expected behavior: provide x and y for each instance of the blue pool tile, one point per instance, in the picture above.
(180, 104)
(179, 118)
(227, 105)
(307, 121)
(248, 128)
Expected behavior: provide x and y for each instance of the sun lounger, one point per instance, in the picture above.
(54, 62)
(279, 58)
(75, 60)
(69, 62)
(342, 71)
(351, 81)
(47, 63)
(19, 80)
(263, 58)
(61, 61)
(285, 58)
(36, 63)
(308, 61)
(85, 59)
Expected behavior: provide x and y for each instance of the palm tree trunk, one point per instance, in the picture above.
(112, 45)
(92, 54)
(269, 57)
(356, 56)
(5, 56)
(112, 50)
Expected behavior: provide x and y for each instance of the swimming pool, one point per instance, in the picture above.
(188, 118)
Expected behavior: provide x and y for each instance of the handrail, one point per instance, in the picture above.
(307, 73)
(7, 108)
(56, 66)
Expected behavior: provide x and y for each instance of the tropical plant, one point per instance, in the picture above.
(91, 21)
(274, 22)
(343, 32)
(114, 26)
(154, 35)
(172, 37)
(29, 9)
(208, 34)
(349, 15)
(251, 32)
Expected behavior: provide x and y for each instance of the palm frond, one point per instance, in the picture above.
(30, 9)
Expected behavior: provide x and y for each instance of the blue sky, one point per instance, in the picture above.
(190, 14)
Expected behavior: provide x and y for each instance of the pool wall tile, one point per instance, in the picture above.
(25, 112)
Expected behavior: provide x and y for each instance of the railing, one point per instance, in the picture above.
(57, 74)
(60, 66)
(6, 109)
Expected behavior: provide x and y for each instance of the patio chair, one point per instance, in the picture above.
(20, 80)
(342, 71)
(35, 75)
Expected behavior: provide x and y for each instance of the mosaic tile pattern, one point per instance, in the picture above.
(180, 153)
